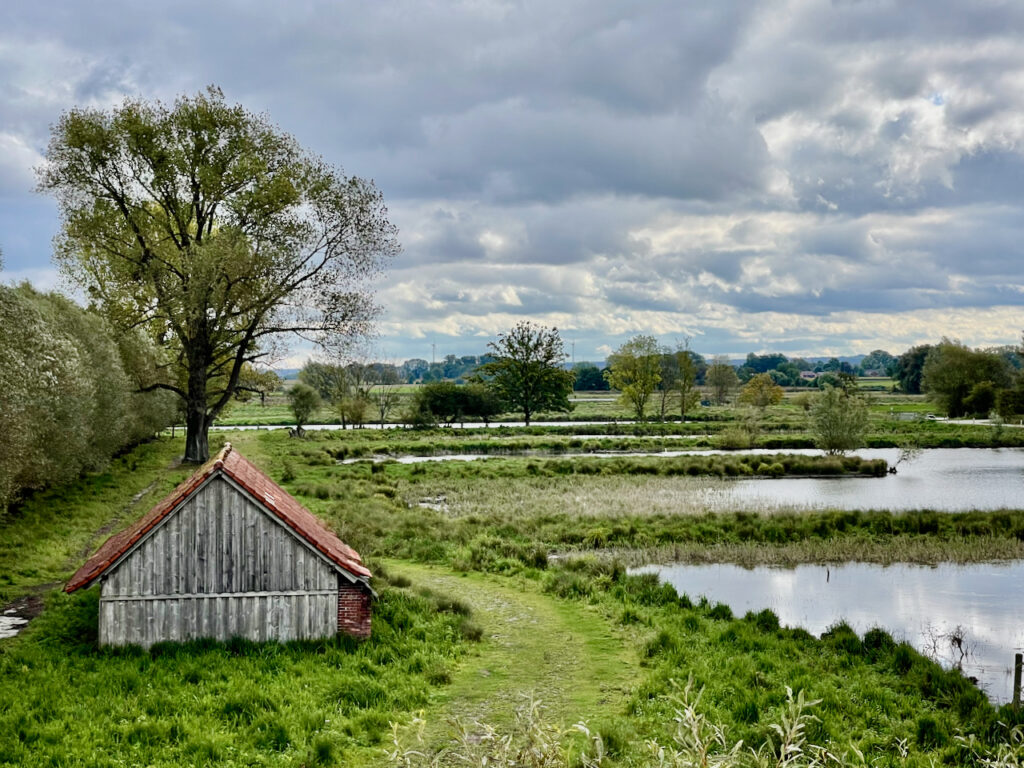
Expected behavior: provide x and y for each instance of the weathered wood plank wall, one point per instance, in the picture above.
(219, 567)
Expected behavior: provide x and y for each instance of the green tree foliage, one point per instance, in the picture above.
(689, 395)
(326, 378)
(764, 363)
(761, 391)
(952, 370)
(67, 399)
(213, 231)
(721, 378)
(448, 403)
(253, 382)
(589, 378)
(982, 400)
(838, 421)
(878, 360)
(909, 368)
(668, 381)
(304, 402)
(526, 371)
(635, 370)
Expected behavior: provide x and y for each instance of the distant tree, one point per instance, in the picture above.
(765, 363)
(689, 395)
(1010, 401)
(414, 368)
(326, 378)
(303, 401)
(761, 391)
(635, 370)
(909, 368)
(480, 402)
(252, 381)
(838, 421)
(437, 402)
(981, 400)
(526, 372)
(209, 228)
(383, 391)
(952, 370)
(668, 383)
(722, 379)
(589, 378)
(878, 360)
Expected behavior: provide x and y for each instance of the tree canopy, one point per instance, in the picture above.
(635, 370)
(838, 421)
(214, 232)
(951, 371)
(721, 378)
(761, 391)
(526, 371)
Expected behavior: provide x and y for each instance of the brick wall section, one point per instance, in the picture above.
(353, 610)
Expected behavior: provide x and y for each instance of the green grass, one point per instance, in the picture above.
(875, 693)
(48, 536)
(63, 702)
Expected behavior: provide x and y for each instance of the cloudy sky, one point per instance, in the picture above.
(802, 176)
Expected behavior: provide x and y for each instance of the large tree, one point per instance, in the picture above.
(526, 370)
(209, 228)
(635, 370)
(952, 370)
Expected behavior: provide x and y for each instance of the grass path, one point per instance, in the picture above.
(566, 654)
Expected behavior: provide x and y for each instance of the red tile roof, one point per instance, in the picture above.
(232, 464)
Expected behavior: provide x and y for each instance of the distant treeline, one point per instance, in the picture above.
(68, 401)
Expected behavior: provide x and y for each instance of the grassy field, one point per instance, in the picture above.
(784, 426)
(474, 612)
(587, 406)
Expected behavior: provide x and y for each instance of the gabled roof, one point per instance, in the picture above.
(267, 493)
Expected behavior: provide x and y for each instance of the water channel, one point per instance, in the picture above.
(926, 606)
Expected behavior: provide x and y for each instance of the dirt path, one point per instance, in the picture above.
(563, 653)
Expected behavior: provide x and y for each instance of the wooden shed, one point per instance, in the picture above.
(227, 554)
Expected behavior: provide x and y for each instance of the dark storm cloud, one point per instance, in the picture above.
(768, 175)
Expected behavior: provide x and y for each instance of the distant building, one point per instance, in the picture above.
(227, 554)
(809, 375)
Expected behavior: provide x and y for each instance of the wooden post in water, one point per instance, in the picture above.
(1018, 661)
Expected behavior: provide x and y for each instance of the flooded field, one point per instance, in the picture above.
(964, 616)
(943, 479)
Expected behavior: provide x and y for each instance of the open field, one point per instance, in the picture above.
(578, 632)
(587, 406)
(783, 426)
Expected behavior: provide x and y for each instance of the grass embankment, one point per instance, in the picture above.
(46, 537)
(63, 702)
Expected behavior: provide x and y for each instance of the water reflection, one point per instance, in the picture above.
(942, 479)
(926, 606)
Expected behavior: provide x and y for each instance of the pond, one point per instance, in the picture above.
(926, 606)
(942, 479)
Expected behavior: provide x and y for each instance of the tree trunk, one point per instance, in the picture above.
(197, 442)
(197, 426)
